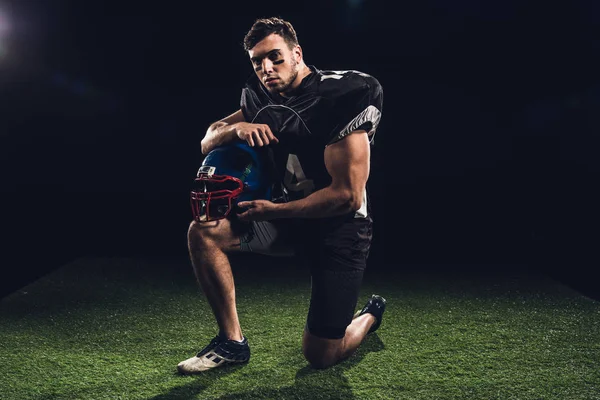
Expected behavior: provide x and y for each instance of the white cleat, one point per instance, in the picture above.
(219, 352)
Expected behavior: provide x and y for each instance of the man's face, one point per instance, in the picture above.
(274, 63)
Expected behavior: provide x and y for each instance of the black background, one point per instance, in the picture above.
(487, 151)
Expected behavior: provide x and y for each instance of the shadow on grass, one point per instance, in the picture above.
(310, 383)
(200, 383)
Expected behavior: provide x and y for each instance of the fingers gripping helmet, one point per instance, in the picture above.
(229, 174)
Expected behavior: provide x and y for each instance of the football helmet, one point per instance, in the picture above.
(229, 174)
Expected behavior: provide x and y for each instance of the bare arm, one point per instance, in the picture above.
(235, 127)
(348, 163)
(221, 132)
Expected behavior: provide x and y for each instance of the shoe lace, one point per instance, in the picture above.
(213, 343)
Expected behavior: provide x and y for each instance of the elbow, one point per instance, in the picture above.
(206, 144)
(359, 195)
(204, 147)
(352, 200)
(355, 203)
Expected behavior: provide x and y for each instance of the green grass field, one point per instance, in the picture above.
(115, 328)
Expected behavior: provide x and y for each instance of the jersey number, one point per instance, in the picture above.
(295, 179)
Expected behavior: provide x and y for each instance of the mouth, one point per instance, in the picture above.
(271, 81)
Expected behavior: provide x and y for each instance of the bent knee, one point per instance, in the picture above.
(198, 232)
(212, 234)
(319, 352)
(207, 230)
(319, 361)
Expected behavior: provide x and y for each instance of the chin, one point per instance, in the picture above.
(282, 88)
(278, 88)
(275, 89)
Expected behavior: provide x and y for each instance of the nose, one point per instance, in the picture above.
(267, 66)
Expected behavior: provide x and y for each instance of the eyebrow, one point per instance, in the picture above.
(258, 58)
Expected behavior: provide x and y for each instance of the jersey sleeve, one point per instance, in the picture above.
(358, 106)
(251, 100)
(248, 105)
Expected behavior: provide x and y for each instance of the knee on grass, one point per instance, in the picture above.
(320, 361)
(321, 353)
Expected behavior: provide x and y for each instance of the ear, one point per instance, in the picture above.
(298, 53)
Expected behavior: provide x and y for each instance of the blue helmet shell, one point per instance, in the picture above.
(248, 164)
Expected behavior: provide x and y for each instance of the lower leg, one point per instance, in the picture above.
(213, 271)
(355, 334)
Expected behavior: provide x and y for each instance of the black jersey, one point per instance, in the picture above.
(326, 107)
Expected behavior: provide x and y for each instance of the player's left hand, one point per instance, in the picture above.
(257, 210)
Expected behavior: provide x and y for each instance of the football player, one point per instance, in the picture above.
(318, 127)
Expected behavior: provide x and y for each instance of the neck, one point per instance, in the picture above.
(303, 72)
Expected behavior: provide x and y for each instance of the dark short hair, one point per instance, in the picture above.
(263, 27)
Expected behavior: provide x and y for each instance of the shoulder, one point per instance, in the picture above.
(334, 83)
(251, 84)
(356, 98)
(253, 98)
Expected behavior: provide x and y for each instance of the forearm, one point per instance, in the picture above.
(327, 202)
(217, 134)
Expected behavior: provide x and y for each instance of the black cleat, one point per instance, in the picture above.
(375, 306)
(219, 352)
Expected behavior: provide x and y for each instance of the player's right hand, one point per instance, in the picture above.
(255, 134)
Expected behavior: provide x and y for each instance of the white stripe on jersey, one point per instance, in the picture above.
(370, 114)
